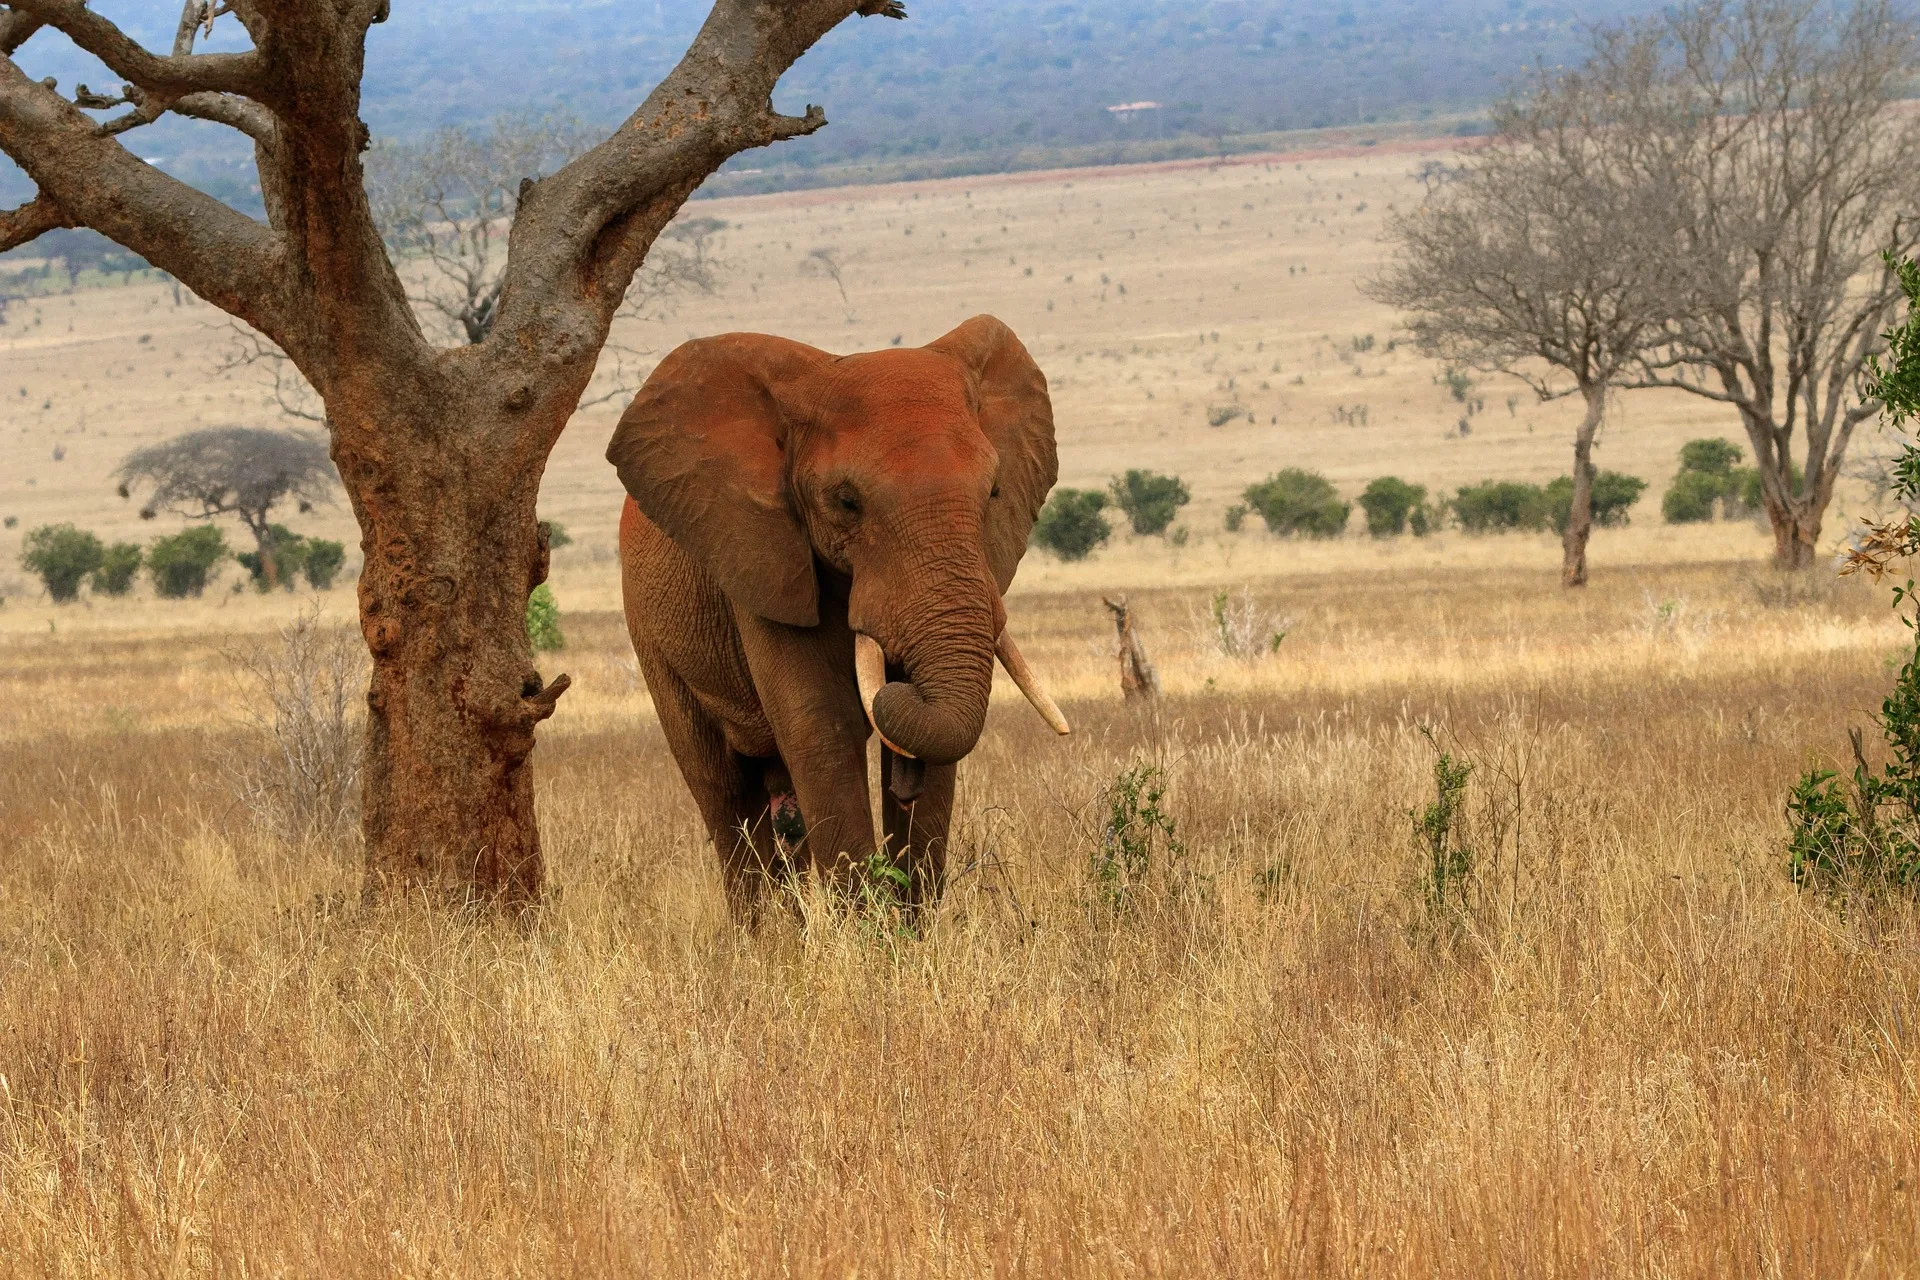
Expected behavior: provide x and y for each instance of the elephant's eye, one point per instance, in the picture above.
(846, 500)
(996, 492)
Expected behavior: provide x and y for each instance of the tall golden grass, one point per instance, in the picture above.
(1633, 1049)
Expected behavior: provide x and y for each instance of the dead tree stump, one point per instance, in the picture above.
(1138, 679)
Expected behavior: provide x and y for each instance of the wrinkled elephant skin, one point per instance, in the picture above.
(784, 503)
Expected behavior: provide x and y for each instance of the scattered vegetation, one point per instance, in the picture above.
(1138, 852)
(182, 564)
(1149, 499)
(1710, 477)
(543, 621)
(300, 777)
(320, 559)
(1496, 506)
(1392, 506)
(1295, 501)
(239, 471)
(1614, 494)
(118, 565)
(61, 556)
(1237, 627)
(1071, 524)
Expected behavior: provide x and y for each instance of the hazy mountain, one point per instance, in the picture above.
(959, 76)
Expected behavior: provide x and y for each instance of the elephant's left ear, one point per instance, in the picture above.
(1017, 416)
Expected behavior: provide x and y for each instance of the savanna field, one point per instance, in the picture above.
(1245, 1036)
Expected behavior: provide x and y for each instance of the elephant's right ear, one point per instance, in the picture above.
(702, 451)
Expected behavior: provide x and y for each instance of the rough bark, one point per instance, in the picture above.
(1573, 543)
(441, 451)
(1138, 679)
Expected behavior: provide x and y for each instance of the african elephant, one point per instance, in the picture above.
(816, 546)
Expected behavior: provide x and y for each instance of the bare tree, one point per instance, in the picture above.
(441, 448)
(237, 471)
(1538, 257)
(1791, 175)
(829, 261)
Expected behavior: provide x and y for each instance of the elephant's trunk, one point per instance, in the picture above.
(937, 712)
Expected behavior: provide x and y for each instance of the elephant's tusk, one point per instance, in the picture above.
(870, 670)
(1016, 664)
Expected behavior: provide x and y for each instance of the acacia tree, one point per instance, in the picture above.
(445, 207)
(1535, 258)
(237, 471)
(440, 449)
(1791, 174)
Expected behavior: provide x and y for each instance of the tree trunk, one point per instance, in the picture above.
(446, 506)
(1796, 533)
(1573, 543)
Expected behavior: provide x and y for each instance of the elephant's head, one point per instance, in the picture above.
(916, 472)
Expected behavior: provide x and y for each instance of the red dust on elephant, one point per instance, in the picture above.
(815, 548)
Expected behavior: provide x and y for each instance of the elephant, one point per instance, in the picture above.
(815, 548)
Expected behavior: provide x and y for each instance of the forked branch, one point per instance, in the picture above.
(168, 75)
(583, 232)
(34, 218)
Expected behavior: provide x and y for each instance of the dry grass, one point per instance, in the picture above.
(1637, 1051)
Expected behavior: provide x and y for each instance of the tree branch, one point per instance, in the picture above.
(222, 255)
(34, 218)
(582, 233)
(15, 28)
(168, 75)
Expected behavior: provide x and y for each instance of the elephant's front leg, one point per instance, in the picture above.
(804, 681)
(916, 831)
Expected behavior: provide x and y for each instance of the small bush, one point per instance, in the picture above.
(1138, 851)
(62, 556)
(543, 621)
(1149, 499)
(1614, 494)
(557, 535)
(1690, 498)
(181, 565)
(1493, 506)
(1866, 837)
(1296, 501)
(324, 559)
(289, 557)
(1070, 525)
(1220, 415)
(114, 577)
(1438, 831)
(1390, 503)
(1236, 518)
(1710, 456)
(300, 775)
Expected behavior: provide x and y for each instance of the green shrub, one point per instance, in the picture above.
(557, 535)
(1614, 494)
(1690, 498)
(1296, 501)
(1236, 518)
(1149, 499)
(543, 620)
(289, 557)
(324, 559)
(1710, 456)
(1493, 506)
(1138, 850)
(61, 556)
(181, 565)
(1866, 836)
(1389, 503)
(114, 577)
(1070, 525)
